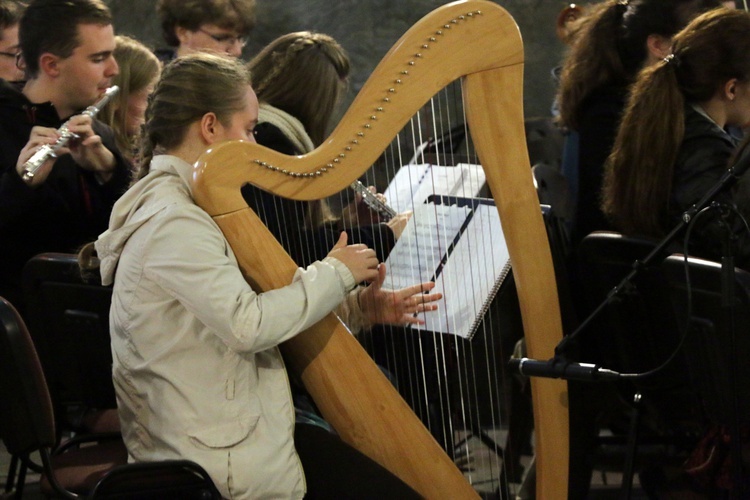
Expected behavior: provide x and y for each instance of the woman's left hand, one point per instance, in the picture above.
(397, 307)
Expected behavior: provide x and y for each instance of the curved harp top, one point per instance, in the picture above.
(473, 39)
(455, 40)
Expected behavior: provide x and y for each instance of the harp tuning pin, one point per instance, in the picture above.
(392, 91)
(447, 26)
(404, 72)
(379, 108)
(336, 160)
(348, 148)
(355, 141)
(398, 82)
(418, 54)
(432, 39)
(257, 162)
(387, 99)
(411, 63)
(329, 165)
(470, 14)
(367, 125)
(285, 172)
(323, 170)
(439, 32)
(342, 155)
(425, 46)
(361, 134)
(461, 18)
(264, 164)
(454, 21)
(318, 173)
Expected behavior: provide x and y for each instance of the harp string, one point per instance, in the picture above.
(499, 65)
(456, 363)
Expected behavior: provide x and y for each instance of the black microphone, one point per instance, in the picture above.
(557, 368)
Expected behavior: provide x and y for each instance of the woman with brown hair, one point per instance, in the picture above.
(299, 79)
(615, 40)
(672, 146)
(139, 71)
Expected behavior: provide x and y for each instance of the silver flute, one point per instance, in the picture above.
(374, 203)
(50, 150)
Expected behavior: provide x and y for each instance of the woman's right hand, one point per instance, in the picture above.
(361, 261)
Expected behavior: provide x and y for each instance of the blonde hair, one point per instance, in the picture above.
(304, 74)
(190, 87)
(139, 67)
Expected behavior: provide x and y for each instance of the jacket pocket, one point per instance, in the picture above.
(226, 434)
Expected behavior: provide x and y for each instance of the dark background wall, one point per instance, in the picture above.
(368, 28)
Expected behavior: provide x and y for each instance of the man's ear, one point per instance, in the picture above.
(210, 128)
(730, 89)
(658, 46)
(182, 34)
(49, 64)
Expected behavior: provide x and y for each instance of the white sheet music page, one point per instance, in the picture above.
(472, 270)
(468, 280)
(413, 184)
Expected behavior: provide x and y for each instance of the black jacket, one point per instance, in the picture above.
(69, 209)
(702, 160)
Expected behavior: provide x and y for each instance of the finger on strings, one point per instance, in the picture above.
(416, 289)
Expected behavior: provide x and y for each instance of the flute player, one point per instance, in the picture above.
(67, 50)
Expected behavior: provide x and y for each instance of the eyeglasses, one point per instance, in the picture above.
(12, 55)
(225, 38)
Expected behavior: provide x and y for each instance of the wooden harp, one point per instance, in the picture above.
(479, 42)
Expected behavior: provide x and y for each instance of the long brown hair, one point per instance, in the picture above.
(303, 74)
(710, 51)
(610, 46)
(190, 87)
(139, 67)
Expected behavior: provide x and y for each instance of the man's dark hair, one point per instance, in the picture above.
(235, 15)
(52, 26)
(10, 13)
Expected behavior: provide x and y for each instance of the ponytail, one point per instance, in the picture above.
(593, 61)
(638, 174)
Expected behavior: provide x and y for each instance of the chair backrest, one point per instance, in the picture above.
(175, 479)
(26, 416)
(68, 318)
(711, 353)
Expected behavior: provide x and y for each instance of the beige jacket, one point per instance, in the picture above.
(196, 368)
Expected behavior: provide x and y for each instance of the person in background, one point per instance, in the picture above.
(10, 15)
(139, 71)
(680, 148)
(219, 26)
(671, 149)
(67, 48)
(196, 367)
(299, 79)
(615, 41)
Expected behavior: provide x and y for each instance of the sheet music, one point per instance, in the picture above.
(425, 240)
(413, 184)
(477, 263)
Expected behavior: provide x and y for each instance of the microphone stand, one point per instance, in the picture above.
(559, 367)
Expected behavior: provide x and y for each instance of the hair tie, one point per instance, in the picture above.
(672, 59)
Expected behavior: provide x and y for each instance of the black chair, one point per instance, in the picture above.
(27, 425)
(714, 355)
(68, 317)
(636, 332)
